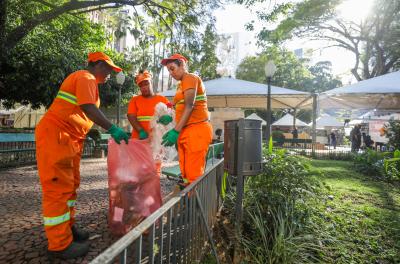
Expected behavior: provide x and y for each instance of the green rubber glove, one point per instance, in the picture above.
(118, 134)
(165, 119)
(143, 134)
(170, 138)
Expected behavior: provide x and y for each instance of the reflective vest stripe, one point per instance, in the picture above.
(52, 221)
(144, 118)
(71, 203)
(67, 97)
(198, 98)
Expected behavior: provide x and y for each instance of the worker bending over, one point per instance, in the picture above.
(59, 142)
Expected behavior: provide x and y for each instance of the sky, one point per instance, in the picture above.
(233, 18)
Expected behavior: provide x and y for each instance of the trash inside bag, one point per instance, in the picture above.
(134, 186)
(160, 152)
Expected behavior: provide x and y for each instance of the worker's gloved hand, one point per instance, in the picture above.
(118, 134)
(170, 138)
(165, 119)
(143, 134)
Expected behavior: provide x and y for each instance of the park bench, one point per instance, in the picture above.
(214, 154)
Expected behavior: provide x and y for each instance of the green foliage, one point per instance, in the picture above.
(109, 90)
(379, 164)
(356, 215)
(370, 162)
(344, 217)
(374, 41)
(276, 135)
(393, 133)
(291, 72)
(209, 60)
(276, 212)
(42, 61)
(42, 54)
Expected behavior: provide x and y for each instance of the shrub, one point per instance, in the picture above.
(276, 212)
(393, 133)
(392, 166)
(278, 135)
(379, 164)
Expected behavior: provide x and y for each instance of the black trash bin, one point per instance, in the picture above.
(243, 136)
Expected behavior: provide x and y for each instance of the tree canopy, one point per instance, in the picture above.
(42, 41)
(292, 73)
(374, 41)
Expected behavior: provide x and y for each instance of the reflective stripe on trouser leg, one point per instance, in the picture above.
(55, 151)
(56, 220)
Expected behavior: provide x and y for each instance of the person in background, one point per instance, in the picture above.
(295, 135)
(333, 139)
(141, 109)
(368, 142)
(218, 133)
(193, 131)
(59, 140)
(355, 137)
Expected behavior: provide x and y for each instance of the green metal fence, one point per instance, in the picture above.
(18, 149)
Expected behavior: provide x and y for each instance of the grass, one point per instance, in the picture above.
(360, 214)
(350, 218)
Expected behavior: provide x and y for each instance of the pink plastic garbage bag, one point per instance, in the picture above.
(134, 186)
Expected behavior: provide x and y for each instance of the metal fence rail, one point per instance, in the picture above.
(177, 232)
(24, 152)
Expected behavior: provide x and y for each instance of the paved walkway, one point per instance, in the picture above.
(22, 238)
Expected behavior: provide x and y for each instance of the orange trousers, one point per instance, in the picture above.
(58, 158)
(193, 143)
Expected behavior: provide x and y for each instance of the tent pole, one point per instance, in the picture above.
(314, 123)
(294, 117)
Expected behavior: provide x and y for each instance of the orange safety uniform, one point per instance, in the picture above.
(196, 136)
(143, 108)
(59, 143)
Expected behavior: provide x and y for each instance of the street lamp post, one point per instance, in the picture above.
(270, 70)
(120, 82)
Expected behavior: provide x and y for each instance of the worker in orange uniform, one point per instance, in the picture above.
(141, 109)
(193, 131)
(59, 142)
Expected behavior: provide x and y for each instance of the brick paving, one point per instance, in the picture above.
(22, 238)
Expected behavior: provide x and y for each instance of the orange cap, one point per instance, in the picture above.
(96, 56)
(173, 57)
(140, 77)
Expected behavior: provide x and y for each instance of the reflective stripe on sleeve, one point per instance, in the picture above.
(144, 118)
(67, 97)
(198, 98)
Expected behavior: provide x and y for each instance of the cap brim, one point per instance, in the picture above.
(145, 79)
(165, 61)
(115, 67)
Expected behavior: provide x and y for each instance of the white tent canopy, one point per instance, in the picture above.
(382, 92)
(230, 92)
(254, 116)
(370, 116)
(287, 120)
(327, 121)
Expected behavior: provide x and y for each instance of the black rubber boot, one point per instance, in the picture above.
(74, 250)
(79, 234)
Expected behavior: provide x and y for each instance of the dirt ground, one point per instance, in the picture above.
(22, 238)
